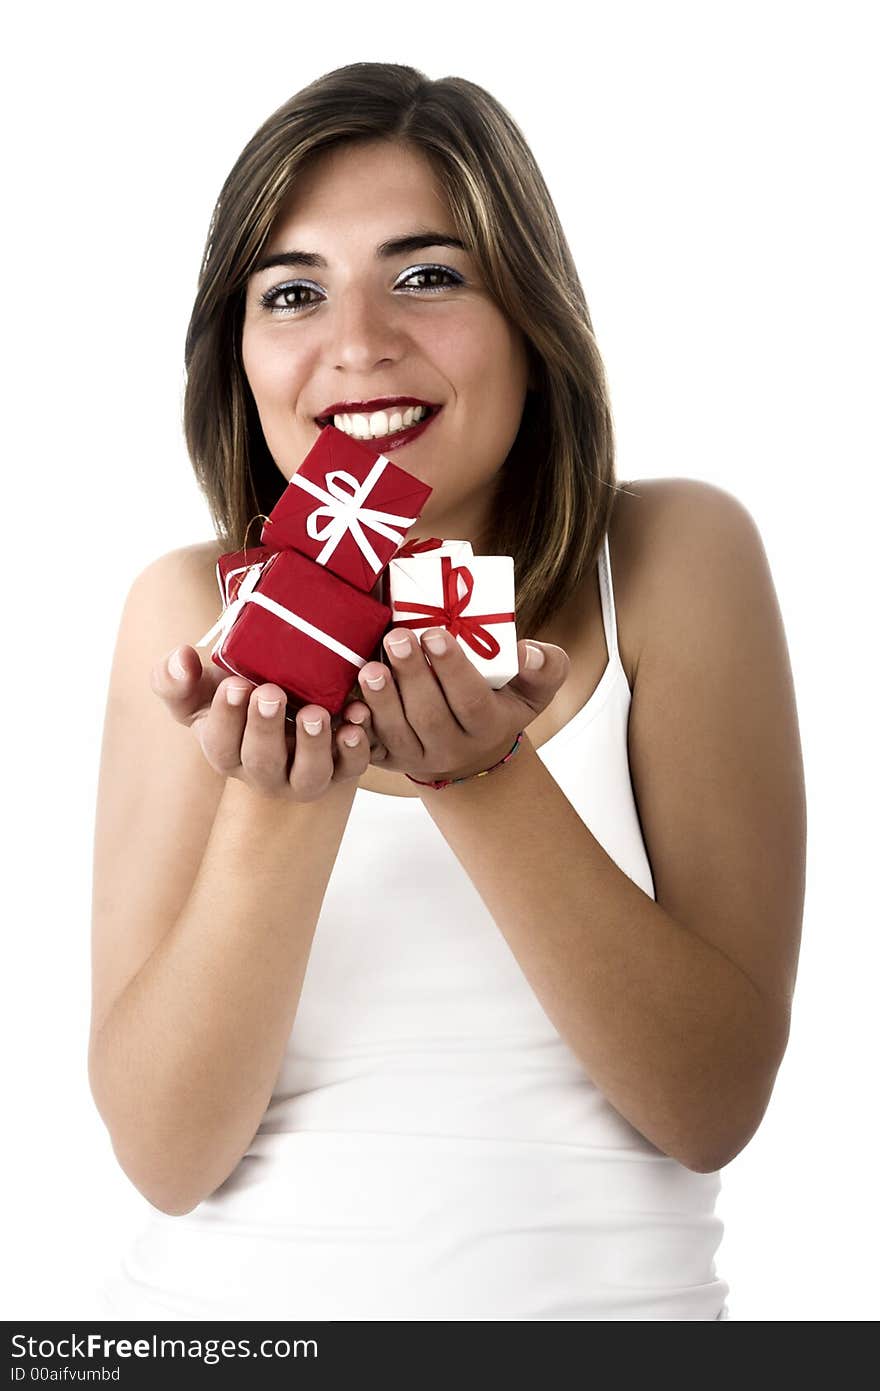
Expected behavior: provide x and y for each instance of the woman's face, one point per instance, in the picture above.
(362, 325)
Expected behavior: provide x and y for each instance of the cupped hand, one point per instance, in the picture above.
(435, 716)
(244, 734)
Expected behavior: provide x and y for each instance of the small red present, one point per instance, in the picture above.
(296, 625)
(347, 508)
(232, 566)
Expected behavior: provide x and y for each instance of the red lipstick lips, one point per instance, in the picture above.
(380, 403)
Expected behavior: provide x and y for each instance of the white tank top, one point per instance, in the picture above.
(433, 1149)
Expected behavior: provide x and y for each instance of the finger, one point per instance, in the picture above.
(190, 693)
(466, 691)
(352, 753)
(219, 729)
(313, 767)
(422, 697)
(360, 715)
(386, 712)
(358, 712)
(265, 746)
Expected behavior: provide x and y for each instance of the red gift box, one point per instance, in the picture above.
(347, 508)
(232, 567)
(296, 625)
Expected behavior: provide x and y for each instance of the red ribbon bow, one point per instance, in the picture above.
(450, 616)
(416, 546)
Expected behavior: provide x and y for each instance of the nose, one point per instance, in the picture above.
(363, 331)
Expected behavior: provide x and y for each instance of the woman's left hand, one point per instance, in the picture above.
(443, 719)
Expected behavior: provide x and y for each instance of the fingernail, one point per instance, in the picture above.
(267, 706)
(237, 695)
(175, 665)
(356, 719)
(312, 726)
(534, 657)
(351, 739)
(436, 643)
(400, 646)
(375, 683)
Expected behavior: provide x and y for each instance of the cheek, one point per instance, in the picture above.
(250, 358)
(271, 373)
(478, 350)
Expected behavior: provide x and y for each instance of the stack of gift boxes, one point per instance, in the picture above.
(309, 607)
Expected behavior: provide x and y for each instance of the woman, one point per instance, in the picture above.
(376, 1049)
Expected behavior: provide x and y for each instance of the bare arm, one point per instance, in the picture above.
(183, 1068)
(216, 832)
(678, 1008)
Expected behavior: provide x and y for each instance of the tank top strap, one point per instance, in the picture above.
(606, 592)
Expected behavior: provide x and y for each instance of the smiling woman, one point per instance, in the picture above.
(468, 266)
(475, 1047)
(369, 322)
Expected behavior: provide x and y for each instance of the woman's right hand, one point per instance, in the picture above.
(276, 757)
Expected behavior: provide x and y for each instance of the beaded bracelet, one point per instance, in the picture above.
(447, 782)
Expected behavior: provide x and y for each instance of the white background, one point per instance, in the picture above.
(714, 167)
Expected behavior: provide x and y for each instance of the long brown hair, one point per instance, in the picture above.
(555, 495)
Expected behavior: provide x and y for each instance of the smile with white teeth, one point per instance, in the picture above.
(370, 427)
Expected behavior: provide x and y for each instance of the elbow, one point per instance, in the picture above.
(744, 1103)
(156, 1178)
(709, 1165)
(712, 1161)
(719, 1145)
(172, 1207)
(709, 1159)
(168, 1183)
(173, 1183)
(156, 1183)
(164, 1192)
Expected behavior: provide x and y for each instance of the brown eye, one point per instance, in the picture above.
(277, 301)
(452, 278)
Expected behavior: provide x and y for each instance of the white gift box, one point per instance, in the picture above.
(473, 598)
(456, 550)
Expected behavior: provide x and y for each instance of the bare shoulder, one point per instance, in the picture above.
(645, 507)
(178, 593)
(658, 526)
(194, 565)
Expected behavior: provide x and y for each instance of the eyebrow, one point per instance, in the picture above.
(396, 246)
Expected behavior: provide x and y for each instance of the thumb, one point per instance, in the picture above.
(542, 661)
(543, 667)
(189, 695)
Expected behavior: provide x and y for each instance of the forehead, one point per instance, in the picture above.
(360, 194)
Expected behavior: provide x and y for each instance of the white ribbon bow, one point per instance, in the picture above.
(345, 512)
(232, 610)
(246, 595)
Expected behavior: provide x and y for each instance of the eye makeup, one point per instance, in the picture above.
(269, 299)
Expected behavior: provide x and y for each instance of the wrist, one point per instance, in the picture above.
(488, 763)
